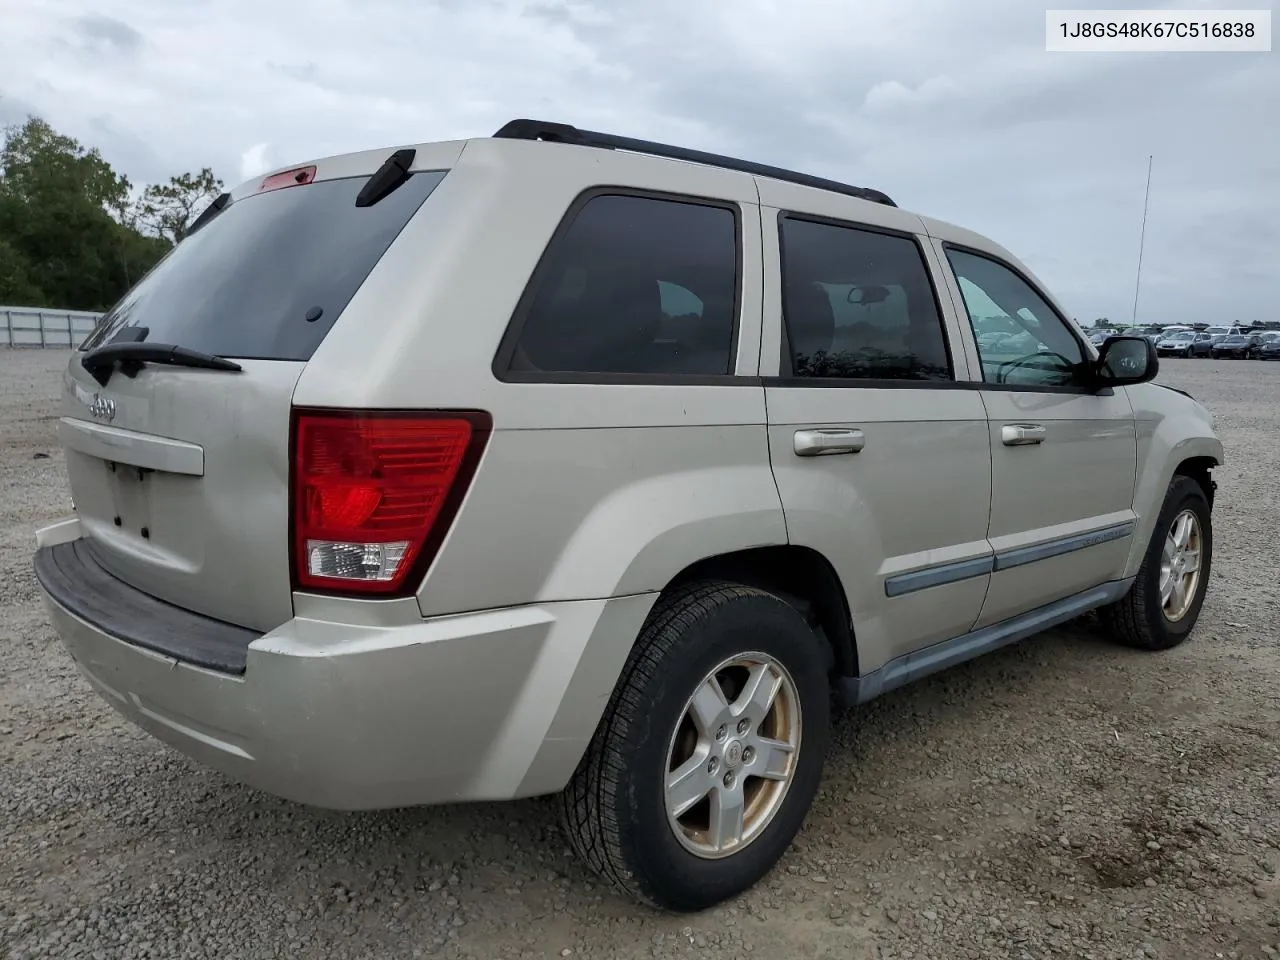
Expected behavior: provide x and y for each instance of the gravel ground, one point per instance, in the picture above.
(1063, 798)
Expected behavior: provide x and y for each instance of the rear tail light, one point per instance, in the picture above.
(374, 493)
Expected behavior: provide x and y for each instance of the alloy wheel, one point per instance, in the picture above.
(733, 755)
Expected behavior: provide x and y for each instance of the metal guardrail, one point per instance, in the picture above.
(42, 327)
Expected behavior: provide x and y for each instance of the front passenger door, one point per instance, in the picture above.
(879, 451)
(1063, 456)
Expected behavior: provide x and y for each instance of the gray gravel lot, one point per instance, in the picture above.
(1063, 798)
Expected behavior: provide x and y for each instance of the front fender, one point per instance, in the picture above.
(1172, 429)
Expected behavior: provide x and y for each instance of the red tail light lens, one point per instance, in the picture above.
(374, 494)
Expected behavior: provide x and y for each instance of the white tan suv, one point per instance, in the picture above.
(563, 462)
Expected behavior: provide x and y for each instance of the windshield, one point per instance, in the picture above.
(267, 277)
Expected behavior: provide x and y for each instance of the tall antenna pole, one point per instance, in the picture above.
(1142, 237)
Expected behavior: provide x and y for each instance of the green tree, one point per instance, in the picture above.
(35, 157)
(16, 285)
(166, 209)
(65, 234)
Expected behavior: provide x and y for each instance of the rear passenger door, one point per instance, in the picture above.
(881, 460)
(1064, 455)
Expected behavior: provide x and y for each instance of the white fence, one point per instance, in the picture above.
(40, 327)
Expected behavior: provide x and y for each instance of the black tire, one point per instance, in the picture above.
(1138, 619)
(613, 810)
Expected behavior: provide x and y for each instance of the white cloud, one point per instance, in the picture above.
(891, 94)
(254, 162)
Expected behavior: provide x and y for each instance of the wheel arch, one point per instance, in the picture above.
(1169, 450)
(802, 577)
(1200, 469)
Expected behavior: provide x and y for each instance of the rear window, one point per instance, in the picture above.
(266, 278)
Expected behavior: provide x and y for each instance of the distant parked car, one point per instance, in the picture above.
(1018, 344)
(1270, 349)
(1176, 344)
(1202, 345)
(1099, 337)
(1230, 331)
(1239, 346)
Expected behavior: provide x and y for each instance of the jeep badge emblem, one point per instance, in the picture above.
(102, 408)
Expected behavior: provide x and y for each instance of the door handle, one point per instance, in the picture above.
(824, 443)
(1022, 434)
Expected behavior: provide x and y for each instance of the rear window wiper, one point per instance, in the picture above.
(393, 172)
(211, 211)
(101, 362)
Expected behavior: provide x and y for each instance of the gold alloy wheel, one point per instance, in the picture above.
(733, 755)
(1180, 565)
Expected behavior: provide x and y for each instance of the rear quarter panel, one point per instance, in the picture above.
(586, 514)
(585, 490)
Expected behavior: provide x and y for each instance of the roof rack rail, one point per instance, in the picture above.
(564, 133)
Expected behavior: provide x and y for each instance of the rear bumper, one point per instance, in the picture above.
(70, 574)
(483, 706)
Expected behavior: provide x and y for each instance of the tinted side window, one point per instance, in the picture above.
(636, 285)
(1019, 336)
(859, 304)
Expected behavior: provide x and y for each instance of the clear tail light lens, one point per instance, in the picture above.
(373, 494)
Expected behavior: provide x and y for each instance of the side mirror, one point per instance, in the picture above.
(1123, 361)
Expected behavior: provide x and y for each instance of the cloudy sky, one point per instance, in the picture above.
(953, 108)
